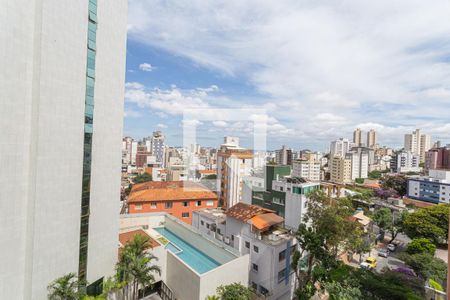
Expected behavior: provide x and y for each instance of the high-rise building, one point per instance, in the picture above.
(357, 137)
(158, 146)
(283, 156)
(233, 164)
(307, 169)
(340, 147)
(405, 161)
(371, 139)
(360, 157)
(62, 89)
(417, 143)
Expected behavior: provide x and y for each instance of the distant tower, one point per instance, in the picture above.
(371, 138)
(357, 137)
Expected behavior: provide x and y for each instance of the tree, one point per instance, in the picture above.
(212, 297)
(397, 183)
(358, 244)
(65, 288)
(426, 266)
(430, 222)
(144, 177)
(135, 266)
(234, 291)
(383, 218)
(421, 245)
(329, 228)
(339, 291)
(375, 174)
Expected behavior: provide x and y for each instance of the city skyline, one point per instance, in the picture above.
(184, 56)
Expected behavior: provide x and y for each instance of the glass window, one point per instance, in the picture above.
(256, 249)
(91, 44)
(281, 275)
(185, 215)
(247, 245)
(198, 203)
(185, 204)
(202, 223)
(138, 206)
(255, 267)
(282, 255)
(210, 203)
(168, 204)
(153, 205)
(92, 17)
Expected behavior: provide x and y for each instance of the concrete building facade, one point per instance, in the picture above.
(61, 131)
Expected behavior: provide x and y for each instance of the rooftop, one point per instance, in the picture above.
(169, 191)
(126, 237)
(245, 212)
(216, 214)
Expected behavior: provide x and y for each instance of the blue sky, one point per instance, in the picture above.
(319, 69)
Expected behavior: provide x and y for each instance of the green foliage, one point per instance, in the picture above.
(435, 285)
(383, 218)
(344, 290)
(211, 176)
(426, 265)
(65, 288)
(397, 183)
(212, 297)
(359, 180)
(421, 245)
(430, 222)
(234, 291)
(144, 177)
(375, 174)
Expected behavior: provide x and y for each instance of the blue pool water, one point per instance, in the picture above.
(195, 258)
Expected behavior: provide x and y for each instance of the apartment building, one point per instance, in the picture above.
(434, 188)
(62, 82)
(340, 147)
(233, 164)
(438, 158)
(308, 169)
(357, 137)
(360, 157)
(417, 143)
(259, 233)
(340, 169)
(405, 161)
(283, 156)
(177, 198)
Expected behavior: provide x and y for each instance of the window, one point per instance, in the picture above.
(153, 205)
(210, 203)
(202, 223)
(255, 267)
(198, 203)
(256, 249)
(138, 206)
(281, 275)
(254, 286)
(247, 245)
(218, 230)
(232, 237)
(185, 203)
(282, 255)
(185, 215)
(207, 225)
(168, 204)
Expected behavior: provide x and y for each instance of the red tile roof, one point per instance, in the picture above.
(126, 237)
(207, 171)
(169, 191)
(264, 221)
(245, 212)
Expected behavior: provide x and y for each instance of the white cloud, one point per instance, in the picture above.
(160, 125)
(129, 113)
(146, 67)
(220, 123)
(324, 66)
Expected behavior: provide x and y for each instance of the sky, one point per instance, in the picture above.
(317, 69)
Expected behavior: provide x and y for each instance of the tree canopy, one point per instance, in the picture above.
(397, 183)
(421, 245)
(429, 222)
(427, 266)
(234, 291)
(144, 177)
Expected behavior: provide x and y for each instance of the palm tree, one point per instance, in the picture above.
(135, 266)
(212, 297)
(64, 288)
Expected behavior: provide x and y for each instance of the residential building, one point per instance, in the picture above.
(405, 161)
(60, 138)
(259, 233)
(178, 198)
(275, 172)
(417, 143)
(193, 265)
(233, 164)
(360, 157)
(340, 169)
(438, 158)
(283, 156)
(371, 139)
(308, 169)
(357, 137)
(434, 188)
(177, 173)
(158, 146)
(141, 156)
(133, 152)
(340, 147)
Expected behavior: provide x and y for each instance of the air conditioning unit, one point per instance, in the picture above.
(144, 226)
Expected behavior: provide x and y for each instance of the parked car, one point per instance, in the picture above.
(383, 252)
(370, 263)
(392, 247)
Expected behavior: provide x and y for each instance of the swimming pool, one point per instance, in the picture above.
(193, 257)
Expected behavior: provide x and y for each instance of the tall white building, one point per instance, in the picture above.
(357, 137)
(359, 157)
(308, 169)
(418, 143)
(62, 91)
(158, 146)
(340, 147)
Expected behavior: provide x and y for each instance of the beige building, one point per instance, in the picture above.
(357, 137)
(371, 139)
(418, 143)
(340, 169)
